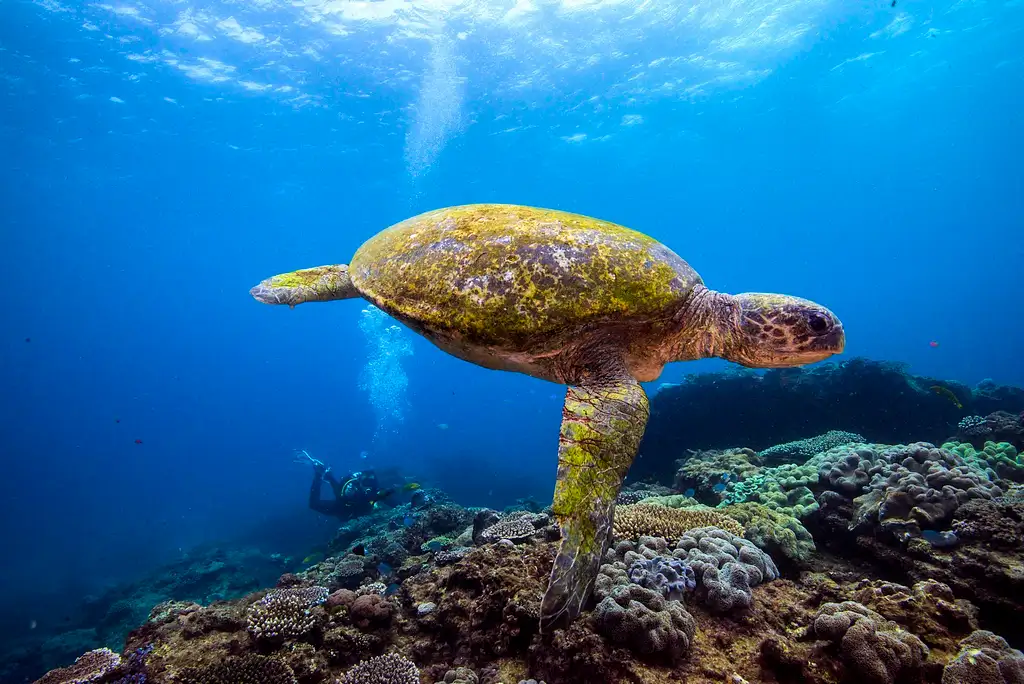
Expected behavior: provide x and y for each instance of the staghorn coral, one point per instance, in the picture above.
(726, 566)
(803, 449)
(781, 535)
(285, 612)
(876, 650)
(985, 658)
(87, 668)
(248, 669)
(390, 668)
(638, 520)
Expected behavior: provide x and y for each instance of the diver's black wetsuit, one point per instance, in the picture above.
(354, 494)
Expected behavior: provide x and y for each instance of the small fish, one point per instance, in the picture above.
(940, 539)
(947, 393)
(411, 487)
(409, 520)
(359, 550)
(138, 441)
(33, 624)
(933, 344)
(117, 420)
(384, 569)
(718, 488)
(28, 339)
(726, 476)
(392, 589)
(364, 454)
(314, 557)
(434, 545)
(690, 492)
(442, 426)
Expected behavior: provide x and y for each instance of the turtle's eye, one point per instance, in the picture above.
(818, 322)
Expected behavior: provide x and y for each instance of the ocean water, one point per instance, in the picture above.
(157, 159)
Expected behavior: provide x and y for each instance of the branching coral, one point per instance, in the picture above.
(638, 520)
(391, 668)
(514, 528)
(285, 612)
(89, 667)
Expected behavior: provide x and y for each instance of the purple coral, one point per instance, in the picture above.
(671, 577)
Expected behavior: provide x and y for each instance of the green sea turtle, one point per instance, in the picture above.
(573, 300)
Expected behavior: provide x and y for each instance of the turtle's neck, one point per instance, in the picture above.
(706, 324)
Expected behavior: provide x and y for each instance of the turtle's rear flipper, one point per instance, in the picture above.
(319, 284)
(602, 424)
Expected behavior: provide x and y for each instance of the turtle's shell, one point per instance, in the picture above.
(518, 277)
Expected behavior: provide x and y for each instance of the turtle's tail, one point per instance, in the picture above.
(319, 284)
(601, 429)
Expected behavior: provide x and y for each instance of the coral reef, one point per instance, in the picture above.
(703, 474)
(89, 667)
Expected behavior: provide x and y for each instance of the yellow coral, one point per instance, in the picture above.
(653, 520)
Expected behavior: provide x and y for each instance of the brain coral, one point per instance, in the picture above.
(285, 612)
(918, 487)
(639, 520)
(89, 667)
(248, 669)
(391, 668)
(641, 619)
(726, 566)
(876, 650)
(985, 658)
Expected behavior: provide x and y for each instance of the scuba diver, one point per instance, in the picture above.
(355, 494)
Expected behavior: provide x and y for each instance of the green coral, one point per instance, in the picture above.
(672, 501)
(703, 470)
(785, 488)
(436, 544)
(999, 458)
(778, 533)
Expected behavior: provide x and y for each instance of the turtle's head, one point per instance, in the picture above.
(320, 284)
(776, 331)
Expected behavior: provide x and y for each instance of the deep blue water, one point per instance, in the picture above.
(858, 154)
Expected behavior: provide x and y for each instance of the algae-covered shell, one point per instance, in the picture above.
(519, 277)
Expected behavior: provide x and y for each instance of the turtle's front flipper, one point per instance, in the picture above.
(602, 424)
(320, 284)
